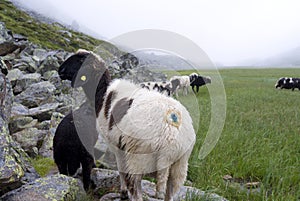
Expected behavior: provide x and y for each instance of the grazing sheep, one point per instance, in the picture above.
(288, 83)
(148, 132)
(162, 87)
(76, 135)
(198, 81)
(180, 82)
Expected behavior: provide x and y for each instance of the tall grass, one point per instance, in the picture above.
(260, 141)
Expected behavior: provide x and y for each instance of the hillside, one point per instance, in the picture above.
(51, 35)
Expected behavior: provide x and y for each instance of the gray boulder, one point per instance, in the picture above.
(36, 94)
(25, 80)
(18, 110)
(19, 123)
(30, 140)
(55, 187)
(14, 75)
(43, 112)
(48, 64)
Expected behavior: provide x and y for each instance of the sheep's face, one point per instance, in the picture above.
(82, 68)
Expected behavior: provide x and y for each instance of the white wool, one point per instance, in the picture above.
(184, 84)
(152, 141)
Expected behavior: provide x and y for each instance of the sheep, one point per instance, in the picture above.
(180, 82)
(162, 87)
(76, 135)
(288, 83)
(147, 131)
(198, 81)
(68, 149)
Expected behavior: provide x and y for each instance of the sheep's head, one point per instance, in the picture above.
(81, 68)
(207, 80)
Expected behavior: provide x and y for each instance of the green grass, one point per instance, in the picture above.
(43, 165)
(50, 36)
(260, 140)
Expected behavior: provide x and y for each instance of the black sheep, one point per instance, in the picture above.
(198, 81)
(76, 134)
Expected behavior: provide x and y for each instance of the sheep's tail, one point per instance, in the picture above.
(173, 117)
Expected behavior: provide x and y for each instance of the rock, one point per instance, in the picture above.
(105, 179)
(53, 77)
(14, 75)
(30, 140)
(28, 64)
(46, 149)
(7, 47)
(18, 110)
(19, 123)
(43, 112)
(55, 187)
(108, 181)
(26, 80)
(3, 67)
(15, 169)
(4, 36)
(50, 63)
(36, 94)
(5, 97)
(39, 55)
(44, 125)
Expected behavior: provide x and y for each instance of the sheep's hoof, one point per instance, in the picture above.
(124, 195)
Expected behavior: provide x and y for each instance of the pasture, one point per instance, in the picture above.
(260, 141)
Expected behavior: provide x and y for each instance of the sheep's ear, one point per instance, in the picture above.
(69, 69)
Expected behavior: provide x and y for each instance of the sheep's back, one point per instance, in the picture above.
(155, 127)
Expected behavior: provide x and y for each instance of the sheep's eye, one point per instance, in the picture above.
(83, 78)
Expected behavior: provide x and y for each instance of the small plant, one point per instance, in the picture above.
(43, 165)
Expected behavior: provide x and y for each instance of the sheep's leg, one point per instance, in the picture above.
(177, 176)
(123, 189)
(193, 88)
(87, 165)
(161, 177)
(62, 168)
(135, 187)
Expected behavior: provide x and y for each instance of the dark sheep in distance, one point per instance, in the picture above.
(288, 83)
(76, 135)
(198, 81)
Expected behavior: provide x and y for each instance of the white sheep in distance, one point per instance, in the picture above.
(148, 132)
(180, 82)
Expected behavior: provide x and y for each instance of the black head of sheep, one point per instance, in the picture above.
(83, 70)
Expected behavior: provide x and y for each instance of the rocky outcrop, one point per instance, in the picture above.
(15, 169)
(108, 181)
(55, 187)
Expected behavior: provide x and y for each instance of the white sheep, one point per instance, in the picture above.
(148, 132)
(180, 82)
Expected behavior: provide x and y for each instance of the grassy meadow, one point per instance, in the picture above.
(260, 141)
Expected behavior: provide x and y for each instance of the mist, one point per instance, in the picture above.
(232, 32)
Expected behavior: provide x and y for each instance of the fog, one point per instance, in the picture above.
(231, 32)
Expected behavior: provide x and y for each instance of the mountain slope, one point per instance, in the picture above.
(50, 35)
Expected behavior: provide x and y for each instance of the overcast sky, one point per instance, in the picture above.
(229, 31)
